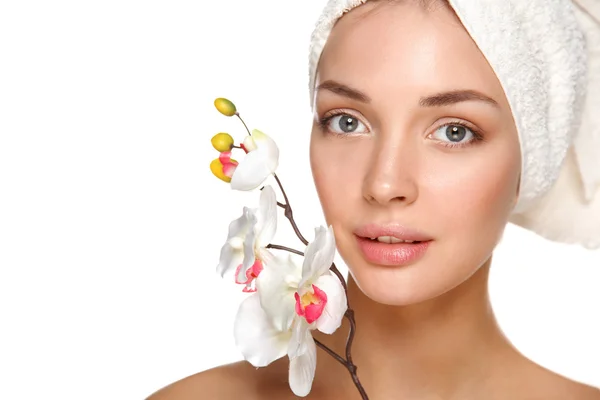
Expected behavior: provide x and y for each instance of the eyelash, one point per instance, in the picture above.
(477, 136)
(323, 122)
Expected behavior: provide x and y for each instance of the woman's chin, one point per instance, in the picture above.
(408, 284)
(398, 286)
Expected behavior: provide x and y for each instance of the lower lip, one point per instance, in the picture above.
(394, 254)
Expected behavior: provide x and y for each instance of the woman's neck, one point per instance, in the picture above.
(441, 347)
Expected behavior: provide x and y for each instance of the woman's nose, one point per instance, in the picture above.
(392, 175)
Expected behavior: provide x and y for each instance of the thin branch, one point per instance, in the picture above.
(332, 353)
(350, 317)
(246, 126)
(282, 191)
(351, 367)
(341, 278)
(296, 228)
(288, 211)
(278, 247)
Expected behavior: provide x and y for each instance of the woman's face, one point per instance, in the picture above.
(413, 138)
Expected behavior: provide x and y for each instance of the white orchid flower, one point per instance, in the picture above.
(245, 249)
(256, 166)
(291, 301)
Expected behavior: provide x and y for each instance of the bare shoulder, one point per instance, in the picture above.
(549, 385)
(568, 389)
(225, 382)
(238, 380)
(565, 388)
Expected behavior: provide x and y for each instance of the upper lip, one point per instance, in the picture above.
(392, 229)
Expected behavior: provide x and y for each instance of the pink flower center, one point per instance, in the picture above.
(311, 304)
(251, 276)
(229, 165)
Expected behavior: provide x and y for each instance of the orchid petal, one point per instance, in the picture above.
(318, 256)
(249, 254)
(229, 260)
(259, 342)
(267, 145)
(251, 172)
(276, 287)
(336, 306)
(297, 342)
(239, 227)
(229, 169)
(303, 366)
(258, 164)
(231, 255)
(264, 255)
(267, 216)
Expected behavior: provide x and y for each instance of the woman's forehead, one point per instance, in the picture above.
(405, 44)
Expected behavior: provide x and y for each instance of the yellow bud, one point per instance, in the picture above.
(225, 106)
(216, 167)
(222, 142)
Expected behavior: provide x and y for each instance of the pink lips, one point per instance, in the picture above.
(392, 254)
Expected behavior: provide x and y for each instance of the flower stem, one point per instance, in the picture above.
(332, 353)
(288, 211)
(349, 315)
(351, 367)
(278, 247)
(237, 114)
(341, 278)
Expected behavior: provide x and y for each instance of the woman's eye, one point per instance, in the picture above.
(455, 134)
(343, 124)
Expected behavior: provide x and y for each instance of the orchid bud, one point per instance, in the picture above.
(225, 106)
(222, 141)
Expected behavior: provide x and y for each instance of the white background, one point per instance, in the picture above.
(111, 223)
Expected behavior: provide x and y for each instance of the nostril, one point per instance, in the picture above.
(390, 191)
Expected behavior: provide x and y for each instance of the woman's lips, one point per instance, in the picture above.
(393, 254)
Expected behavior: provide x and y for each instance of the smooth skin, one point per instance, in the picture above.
(426, 330)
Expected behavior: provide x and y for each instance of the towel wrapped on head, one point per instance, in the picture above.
(546, 55)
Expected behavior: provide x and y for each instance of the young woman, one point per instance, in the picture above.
(415, 139)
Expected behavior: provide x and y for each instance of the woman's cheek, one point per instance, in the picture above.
(336, 179)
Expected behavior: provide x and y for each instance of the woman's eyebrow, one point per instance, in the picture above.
(456, 96)
(344, 90)
(436, 100)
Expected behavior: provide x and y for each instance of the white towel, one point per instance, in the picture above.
(546, 55)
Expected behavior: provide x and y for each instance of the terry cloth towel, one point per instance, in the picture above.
(546, 55)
